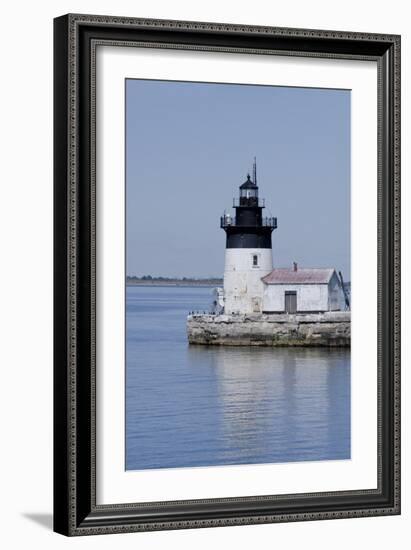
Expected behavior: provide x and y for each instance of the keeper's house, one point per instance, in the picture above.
(298, 290)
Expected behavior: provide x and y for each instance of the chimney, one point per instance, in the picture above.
(295, 266)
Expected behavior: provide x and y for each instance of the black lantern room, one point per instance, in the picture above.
(248, 228)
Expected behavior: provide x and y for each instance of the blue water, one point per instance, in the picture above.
(204, 406)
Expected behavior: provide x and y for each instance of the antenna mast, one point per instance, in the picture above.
(255, 171)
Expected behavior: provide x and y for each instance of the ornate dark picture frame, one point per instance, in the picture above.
(75, 41)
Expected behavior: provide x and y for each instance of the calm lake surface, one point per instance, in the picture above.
(205, 406)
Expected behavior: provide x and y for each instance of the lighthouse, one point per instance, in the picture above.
(248, 254)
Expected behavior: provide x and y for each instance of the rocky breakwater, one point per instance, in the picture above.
(328, 329)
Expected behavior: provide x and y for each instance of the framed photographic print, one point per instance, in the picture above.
(227, 280)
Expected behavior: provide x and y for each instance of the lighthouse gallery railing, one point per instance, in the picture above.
(248, 201)
(231, 221)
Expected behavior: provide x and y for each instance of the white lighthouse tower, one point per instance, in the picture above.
(248, 255)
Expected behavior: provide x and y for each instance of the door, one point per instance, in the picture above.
(291, 302)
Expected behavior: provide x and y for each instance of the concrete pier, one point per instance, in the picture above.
(328, 329)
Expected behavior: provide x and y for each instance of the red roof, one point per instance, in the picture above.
(285, 275)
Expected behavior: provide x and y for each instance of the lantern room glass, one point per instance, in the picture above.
(248, 193)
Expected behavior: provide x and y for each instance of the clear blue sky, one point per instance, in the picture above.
(190, 145)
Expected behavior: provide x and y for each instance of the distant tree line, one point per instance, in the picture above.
(151, 278)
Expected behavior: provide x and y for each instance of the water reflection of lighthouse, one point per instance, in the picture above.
(278, 408)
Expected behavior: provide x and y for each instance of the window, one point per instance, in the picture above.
(255, 260)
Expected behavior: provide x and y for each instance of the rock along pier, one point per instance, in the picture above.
(327, 329)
